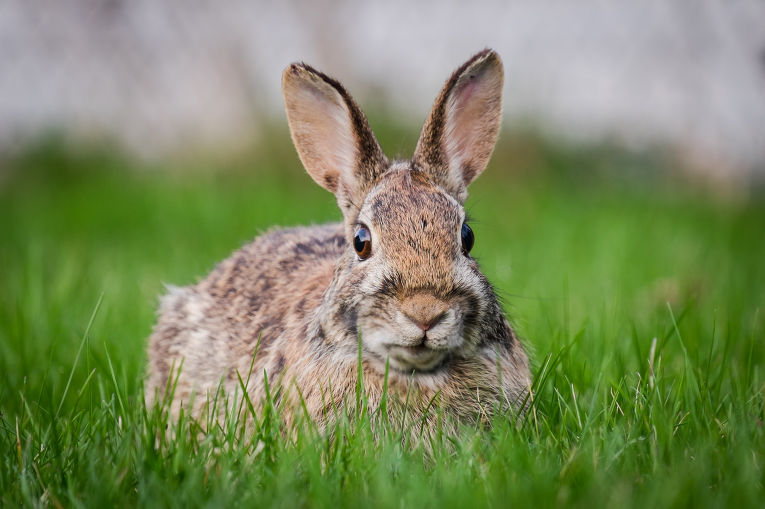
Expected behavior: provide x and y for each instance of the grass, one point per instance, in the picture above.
(638, 295)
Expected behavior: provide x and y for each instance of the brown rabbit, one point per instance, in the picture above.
(396, 273)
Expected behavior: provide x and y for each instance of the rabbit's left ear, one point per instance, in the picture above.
(331, 135)
(461, 131)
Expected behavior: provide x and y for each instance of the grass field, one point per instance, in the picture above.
(639, 297)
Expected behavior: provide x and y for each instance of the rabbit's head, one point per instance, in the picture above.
(407, 282)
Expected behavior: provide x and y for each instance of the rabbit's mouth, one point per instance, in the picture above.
(406, 347)
(415, 350)
(419, 357)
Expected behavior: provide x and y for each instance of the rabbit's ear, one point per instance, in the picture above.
(331, 134)
(461, 131)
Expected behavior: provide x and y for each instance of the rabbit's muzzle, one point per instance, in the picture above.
(424, 310)
(423, 334)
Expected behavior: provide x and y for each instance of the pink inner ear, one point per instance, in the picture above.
(472, 123)
(465, 116)
(322, 132)
(467, 91)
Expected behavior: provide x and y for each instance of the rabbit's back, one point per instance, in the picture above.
(255, 298)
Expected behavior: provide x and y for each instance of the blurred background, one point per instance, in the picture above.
(159, 77)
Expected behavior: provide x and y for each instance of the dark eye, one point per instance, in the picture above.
(467, 238)
(362, 243)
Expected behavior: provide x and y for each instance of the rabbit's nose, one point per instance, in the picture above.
(424, 310)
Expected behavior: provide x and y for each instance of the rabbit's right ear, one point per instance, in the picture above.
(331, 135)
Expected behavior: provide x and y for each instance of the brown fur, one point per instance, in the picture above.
(303, 297)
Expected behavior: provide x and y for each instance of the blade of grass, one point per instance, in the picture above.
(79, 351)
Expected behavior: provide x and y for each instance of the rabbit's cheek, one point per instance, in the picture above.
(375, 340)
(448, 340)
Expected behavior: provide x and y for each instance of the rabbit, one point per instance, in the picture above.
(393, 286)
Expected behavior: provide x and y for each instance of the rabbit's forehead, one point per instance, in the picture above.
(414, 220)
(410, 201)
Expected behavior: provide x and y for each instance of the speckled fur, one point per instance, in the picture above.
(303, 297)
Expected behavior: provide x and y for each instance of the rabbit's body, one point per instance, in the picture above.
(396, 274)
(257, 298)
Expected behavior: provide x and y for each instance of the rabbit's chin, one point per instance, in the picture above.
(416, 358)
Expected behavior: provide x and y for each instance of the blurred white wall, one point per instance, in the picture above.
(160, 75)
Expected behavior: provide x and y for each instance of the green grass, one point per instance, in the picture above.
(639, 297)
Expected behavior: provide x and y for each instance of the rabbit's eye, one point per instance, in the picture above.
(362, 243)
(467, 238)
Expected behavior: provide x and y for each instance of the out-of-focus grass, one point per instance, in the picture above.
(597, 253)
